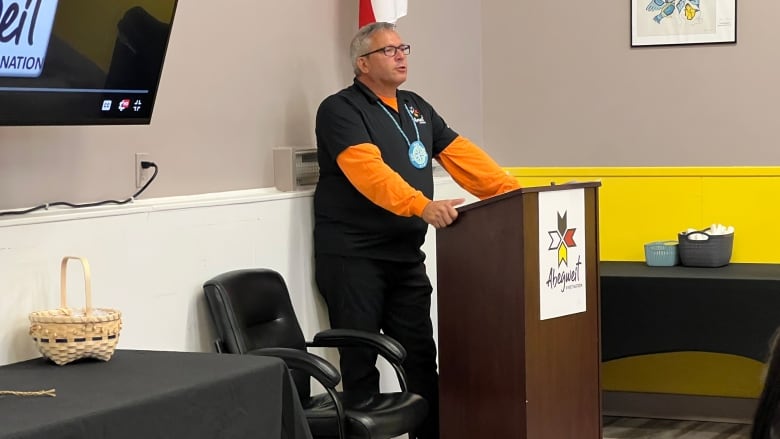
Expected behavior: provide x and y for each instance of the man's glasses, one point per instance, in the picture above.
(391, 50)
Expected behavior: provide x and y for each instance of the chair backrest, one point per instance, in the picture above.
(766, 421)
(251, 309)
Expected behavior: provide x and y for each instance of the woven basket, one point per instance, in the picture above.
(714, 251)
(64, 335)
(661, 254)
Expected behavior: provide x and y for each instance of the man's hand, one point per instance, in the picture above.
(441, 213)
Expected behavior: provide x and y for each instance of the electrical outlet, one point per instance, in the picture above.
(141, 174)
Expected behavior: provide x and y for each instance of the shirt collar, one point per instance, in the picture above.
(371, 96)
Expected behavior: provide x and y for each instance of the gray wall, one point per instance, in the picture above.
(231, 93)
(563, 87)
(536, 84)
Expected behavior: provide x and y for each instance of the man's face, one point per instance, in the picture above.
(378, 67)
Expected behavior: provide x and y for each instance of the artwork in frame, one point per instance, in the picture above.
(666, 22)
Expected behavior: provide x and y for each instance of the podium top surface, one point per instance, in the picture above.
(528, 190)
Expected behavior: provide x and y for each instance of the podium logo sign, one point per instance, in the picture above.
(561, 253)
(561, 240)
(25, 29)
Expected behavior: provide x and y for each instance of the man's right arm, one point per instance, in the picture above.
(371, 176)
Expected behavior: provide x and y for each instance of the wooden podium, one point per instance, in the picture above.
(504, 371)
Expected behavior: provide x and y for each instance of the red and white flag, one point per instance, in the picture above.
(381, 10)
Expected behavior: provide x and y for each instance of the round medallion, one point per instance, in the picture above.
(418, 155)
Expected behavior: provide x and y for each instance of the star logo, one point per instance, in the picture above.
(417, 116)
(562, 239)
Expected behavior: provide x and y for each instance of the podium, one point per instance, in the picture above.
(518, 316)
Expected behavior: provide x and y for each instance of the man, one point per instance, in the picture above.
(373, 204)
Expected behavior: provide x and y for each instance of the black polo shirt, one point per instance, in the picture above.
(346, 222)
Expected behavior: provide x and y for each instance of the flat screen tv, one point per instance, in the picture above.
(81, 62)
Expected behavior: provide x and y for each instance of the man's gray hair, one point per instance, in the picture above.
(361, 42)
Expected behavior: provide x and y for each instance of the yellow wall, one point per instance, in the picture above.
(640, 205)
(685, 373)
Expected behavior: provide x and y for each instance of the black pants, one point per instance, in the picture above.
(395, 298)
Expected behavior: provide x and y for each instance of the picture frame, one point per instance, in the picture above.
(671, 22)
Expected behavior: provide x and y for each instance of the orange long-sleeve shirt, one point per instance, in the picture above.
(468, 165)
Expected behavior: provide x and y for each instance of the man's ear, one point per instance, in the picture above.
(362, 64)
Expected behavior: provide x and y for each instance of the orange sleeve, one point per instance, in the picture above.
(474, 170)
(364, 168)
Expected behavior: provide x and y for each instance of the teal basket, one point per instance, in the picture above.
(662, 254)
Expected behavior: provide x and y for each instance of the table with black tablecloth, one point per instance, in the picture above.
(673, 312)
(730, 310)
(153, 394)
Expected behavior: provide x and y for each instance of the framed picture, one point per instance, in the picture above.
(665, 22)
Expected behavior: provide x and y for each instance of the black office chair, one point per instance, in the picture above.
(253, 315)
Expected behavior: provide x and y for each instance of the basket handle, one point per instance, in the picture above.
(64, 282)
(696, 232)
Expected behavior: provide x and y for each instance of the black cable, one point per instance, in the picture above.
(144, 165)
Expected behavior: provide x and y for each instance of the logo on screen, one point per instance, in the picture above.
(25, 29)
(123, 104)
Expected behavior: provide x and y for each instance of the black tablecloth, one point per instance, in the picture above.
(153, 394)
(730, 310)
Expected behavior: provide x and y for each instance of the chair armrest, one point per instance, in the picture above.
(313, 365)
(387, 346)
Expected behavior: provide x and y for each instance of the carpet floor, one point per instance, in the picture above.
(620, 428)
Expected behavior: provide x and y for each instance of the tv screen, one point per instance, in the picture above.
(81, 62)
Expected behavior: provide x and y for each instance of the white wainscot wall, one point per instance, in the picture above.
(150, 259)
